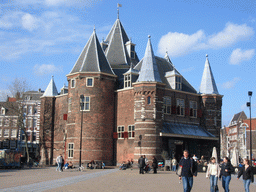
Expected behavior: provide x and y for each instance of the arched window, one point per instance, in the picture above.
(149, 100)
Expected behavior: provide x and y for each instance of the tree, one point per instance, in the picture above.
(16, 90)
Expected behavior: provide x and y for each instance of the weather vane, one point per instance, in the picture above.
(118, 5)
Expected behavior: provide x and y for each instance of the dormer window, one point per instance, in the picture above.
(127, 80)
(3, 110)
(132, 51)
(178, 83)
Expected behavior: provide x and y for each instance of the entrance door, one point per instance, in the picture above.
(179, 152)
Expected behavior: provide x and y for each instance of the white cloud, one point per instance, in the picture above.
(86, 3)
(238, 56)
(11, 20)
(178, 44)
(230, 84)
(29, 22)
(45, 69)
(230, 35)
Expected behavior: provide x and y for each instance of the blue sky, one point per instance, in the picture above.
(41, 38)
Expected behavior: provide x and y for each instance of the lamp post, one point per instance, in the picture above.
(250, 107)
(81, 133)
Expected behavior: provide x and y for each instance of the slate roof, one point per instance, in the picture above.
(186, 130)
(34, 95)
(51, 89)
(116, 51)
(208, 85)
(241, 115)
(92, 58)
(149, 68)
(11, 108)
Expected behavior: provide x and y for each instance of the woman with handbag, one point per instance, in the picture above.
(247, 173)
(213, 172)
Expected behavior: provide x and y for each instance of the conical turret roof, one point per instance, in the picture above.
(92, 58)
(51, 89)
(208, 85)
(149, 69)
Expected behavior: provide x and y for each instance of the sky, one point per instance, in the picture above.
(41, 38)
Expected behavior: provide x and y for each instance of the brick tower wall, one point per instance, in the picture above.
(98, 123)
(46, 130)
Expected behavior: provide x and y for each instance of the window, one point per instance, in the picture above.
(70, 150)
(85, 103)
(167, 105)
(14, 133)
(29, 135)
(1, 130)
(14, 123)
(6, 122)
(120, 132)
(34, 122)
(193, 109)
(34, 136)
(132, 51)
(69, 104)
(178, 83)
(6, 132)
(127, 81)
(131, 131)
(1, 121)
(29, 110)
(73, 83)
(6, 144)
(3, 111)
(29, 123)
(35, 110)
(149, 100)
(89, 82)
(13, 144)
(180, 107)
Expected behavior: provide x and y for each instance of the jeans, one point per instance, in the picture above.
(141, 170)
(187, 183)
(247, 184)
(225, 183)
(174, 167)
(213, 183)
(59, 167)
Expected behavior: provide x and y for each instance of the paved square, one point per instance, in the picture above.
(48, 179)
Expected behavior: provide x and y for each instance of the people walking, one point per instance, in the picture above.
(155, 164)
(174, 164)
(213, 172)
(59, 162)
(247, 173)
(141, 163)
(225, 173)
(189, 170)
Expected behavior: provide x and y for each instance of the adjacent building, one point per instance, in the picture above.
(117, 107)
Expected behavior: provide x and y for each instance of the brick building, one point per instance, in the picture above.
(236, 137)
(117, 107)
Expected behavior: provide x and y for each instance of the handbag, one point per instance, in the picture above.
(179, 170)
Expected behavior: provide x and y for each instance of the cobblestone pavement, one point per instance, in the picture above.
(47, 179)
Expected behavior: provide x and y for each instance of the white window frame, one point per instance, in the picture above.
(14, 122)
(86, 102)
(1, 131)
(13, 133)
(181, 102)
(3, 111)
(1, 121)
(69, 104)
(30, 121)
(6, 122)
(127, 80)
(167, 105)
(87, 78)
(30, 110)
(72, 85)
(6, 132)
(178, 82)
(120, 130)
(193, 106)
(131, 129)
(34, 123)
(70, 150)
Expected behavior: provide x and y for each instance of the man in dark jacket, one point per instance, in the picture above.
(225, 173)
(189, 169)
(141, 163)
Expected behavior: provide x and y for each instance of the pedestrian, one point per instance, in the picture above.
(247, 173)
(189, 170)
(62, 164)
(213, 172)
(225, 173)
(141, 163)
(174, 164)
(154, 164)
(59, 162)
(195, 157)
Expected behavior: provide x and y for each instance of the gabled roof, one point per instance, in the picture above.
(51, 89)
(92, 58)
(116, 51)
(237, 117)
(208, 85)
(149, 69)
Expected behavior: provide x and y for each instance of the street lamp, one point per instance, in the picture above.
(250, 107)
(81, 133)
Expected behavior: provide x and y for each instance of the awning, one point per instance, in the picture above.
(186, 131)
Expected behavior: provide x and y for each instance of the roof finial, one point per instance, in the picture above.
(149, 36)
(94, 30)
(118, 5)
(206, 55)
